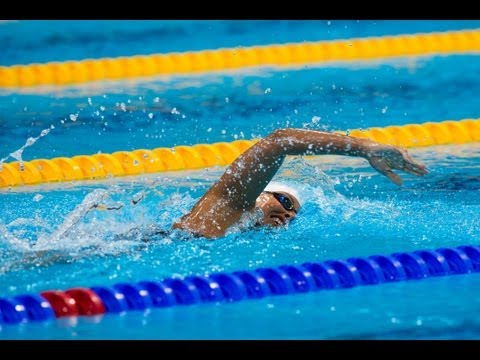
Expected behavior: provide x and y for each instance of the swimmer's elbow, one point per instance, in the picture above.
(277, 137)
(279, 134)
(280, 141)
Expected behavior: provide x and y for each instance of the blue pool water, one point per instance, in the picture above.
(350, 210)
(25, 42)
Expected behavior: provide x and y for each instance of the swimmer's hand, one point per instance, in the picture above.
(386, 158)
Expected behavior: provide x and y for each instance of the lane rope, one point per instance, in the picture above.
(144, 161)
(224, 287)
(190, 62)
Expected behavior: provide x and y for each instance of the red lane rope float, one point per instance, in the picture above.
(62, 303)
(88, 302)
(74, 302)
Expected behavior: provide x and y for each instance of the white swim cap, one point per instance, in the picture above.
(283, 187)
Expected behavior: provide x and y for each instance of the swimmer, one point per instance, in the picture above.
(246, 184)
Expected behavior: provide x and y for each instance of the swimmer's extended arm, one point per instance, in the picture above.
(243, 181)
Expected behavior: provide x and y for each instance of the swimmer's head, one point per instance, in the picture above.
(279, 204)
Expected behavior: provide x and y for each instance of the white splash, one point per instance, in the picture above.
(12, 241)
(17, 154)
(91, 201)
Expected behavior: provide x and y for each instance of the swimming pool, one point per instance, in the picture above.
(351, 211)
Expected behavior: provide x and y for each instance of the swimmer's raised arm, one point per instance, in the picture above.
(244, 180)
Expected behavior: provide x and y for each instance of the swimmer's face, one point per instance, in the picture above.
(278, 208)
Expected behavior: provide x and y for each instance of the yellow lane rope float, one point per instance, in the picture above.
(143, 161)
(290, 54)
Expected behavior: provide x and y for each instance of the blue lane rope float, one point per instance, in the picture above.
(241, 285)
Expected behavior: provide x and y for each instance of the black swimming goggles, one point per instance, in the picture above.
(284, 200)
